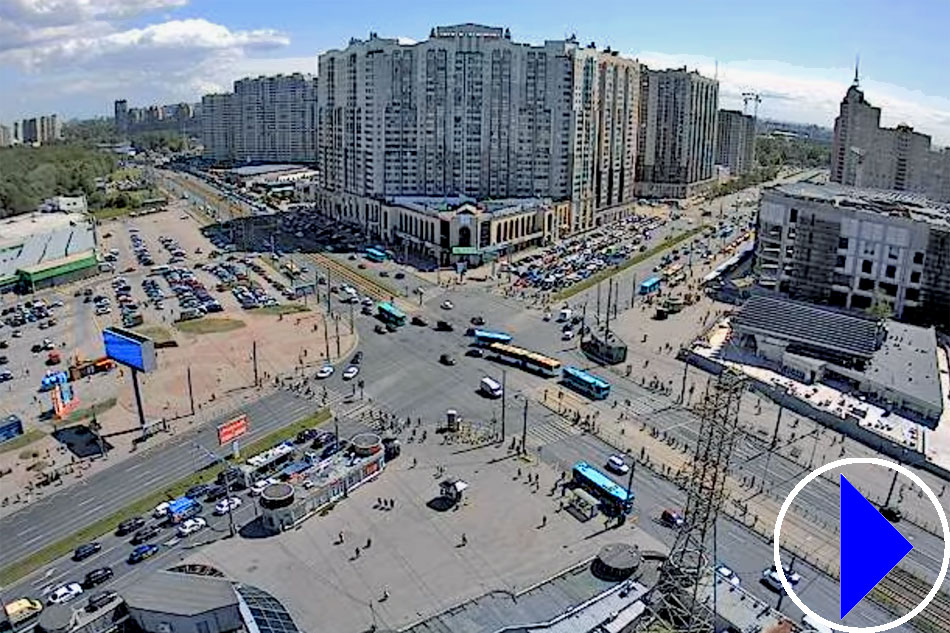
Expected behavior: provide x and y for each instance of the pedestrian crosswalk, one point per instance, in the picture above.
(552, 428)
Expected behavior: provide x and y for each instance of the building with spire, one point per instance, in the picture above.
(864, 154)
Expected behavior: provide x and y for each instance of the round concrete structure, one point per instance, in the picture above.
(277, 496)
(56, 618)
(616, 561)
(366, 444)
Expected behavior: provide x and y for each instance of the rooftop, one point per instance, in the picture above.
(180, 594)
(440, 204)
(32, 240)
(809, 324)
(907, 362)
(892, 203)
(257, 170)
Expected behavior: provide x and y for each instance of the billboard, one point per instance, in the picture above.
(10, 427)
(232, 429)
(128, 348)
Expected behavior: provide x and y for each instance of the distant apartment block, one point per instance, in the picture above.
(736, 142)
(864, 154)
(265, 119)
(677, 138)
(6, 136)
(183, 118)
(37, 130)
(856, 248)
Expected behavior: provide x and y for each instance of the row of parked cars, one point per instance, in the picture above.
(252, 297)
(174, 249)
(194, 299)
(140, 249)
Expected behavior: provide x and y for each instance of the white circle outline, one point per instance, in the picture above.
(848, 462)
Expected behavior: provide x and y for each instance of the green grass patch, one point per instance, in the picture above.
(110, 213)
(96, 409)
(27, 438)
(283, 308)
(19, 569)
(209, 326)
(157, 333)
(593, 280)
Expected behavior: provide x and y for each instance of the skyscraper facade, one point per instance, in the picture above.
(677, 136)
(265, 119)
(864, 154)
(736, 142)
(121, 110)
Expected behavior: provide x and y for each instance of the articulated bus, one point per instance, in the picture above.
(590, 385)
(612, 496)
(375, 255)
(485, 338)
(390, 314)
(526, 359)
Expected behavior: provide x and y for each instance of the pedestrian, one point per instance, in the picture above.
(356, 553)
(392, 503)
(544, 520)
(464, 538)
(340, 538)
(369, 542)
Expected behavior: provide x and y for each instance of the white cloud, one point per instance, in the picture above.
(812, 95)
(61, 12)
(162, 44)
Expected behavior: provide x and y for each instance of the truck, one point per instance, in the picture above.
(182, 508)
(491, 387)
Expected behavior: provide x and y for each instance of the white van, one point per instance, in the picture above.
(565, 315)
(491, 387)
(811, 624)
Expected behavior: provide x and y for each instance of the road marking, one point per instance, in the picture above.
(87, 501)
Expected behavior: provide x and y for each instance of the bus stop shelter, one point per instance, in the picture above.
(583, 504)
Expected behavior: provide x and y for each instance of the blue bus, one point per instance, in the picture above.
(390, 313)
(486, 337)
(590, 385)
(612, 496)
(375, 255)
(650, 285)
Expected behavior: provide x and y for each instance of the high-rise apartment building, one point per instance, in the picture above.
(864, 154)
(466, 112)
(121, 110)
(736, 142)
(856, 248)
(30, 131)
(50, 129)
(265, 119)
(606, 101)
(6, 137)
(470, 112)
(677, 136)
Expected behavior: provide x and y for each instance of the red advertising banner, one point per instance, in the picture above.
(232, 429)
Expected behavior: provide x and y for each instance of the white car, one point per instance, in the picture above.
(350, 372)
(161, 510)
(223, 506)
(62, 595)
(190, 526)
(258, 486)
(617, 464)
(567, 335)
(103, 310)
(447, 305)
(728, 575)
(325, 372)
(771, 578)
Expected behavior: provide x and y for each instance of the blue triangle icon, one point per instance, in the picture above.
(870, 547)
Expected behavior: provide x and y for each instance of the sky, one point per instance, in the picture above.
(75, 57)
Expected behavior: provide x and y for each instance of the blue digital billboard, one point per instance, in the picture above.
(10, 427)
(128, 348)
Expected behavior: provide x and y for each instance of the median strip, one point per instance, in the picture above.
(25, 566)
(669, 242)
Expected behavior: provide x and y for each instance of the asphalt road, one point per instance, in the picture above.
(64, 512)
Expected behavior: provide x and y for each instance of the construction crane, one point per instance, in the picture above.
(756, 99)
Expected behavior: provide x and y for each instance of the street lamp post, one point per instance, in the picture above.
(227, 484)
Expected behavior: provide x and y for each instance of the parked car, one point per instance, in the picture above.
(190, 526)
(225, 505)
(129, 525)
(147, 533)
(100, 600)
(447, 359)
(97, 576)
(728, 575)
(617, 464)
(478, 320)
(65, 593)
(86, 550)
(142, 552)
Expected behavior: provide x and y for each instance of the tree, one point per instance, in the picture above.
(881, 308)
